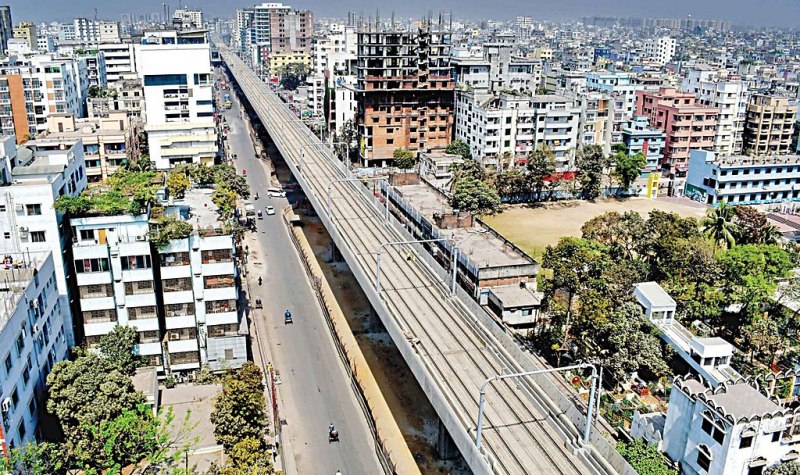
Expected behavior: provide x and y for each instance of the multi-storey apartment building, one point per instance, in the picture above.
(181, 297)
(639, 137)
(33, 338)
(120, 60)
(271, 28)
(498, 70)
(622, 87)
(187, 18)
(6, 27)
(660, 50)
(40, 172)
(727, 94)
(95, 67)
(49, 86)
(128, 96)
(687, 124)
(769, 125)
(107, 141)
(514, 125)
(175, 68)
(13, 109)
(27, 31)
(333, 65)
(404, 91)
(596, 124)
(736, 427)
(743, 180)
(88, 31)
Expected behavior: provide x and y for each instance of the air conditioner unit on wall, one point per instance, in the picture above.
(6, 404)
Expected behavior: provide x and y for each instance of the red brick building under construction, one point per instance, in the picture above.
(405, 91)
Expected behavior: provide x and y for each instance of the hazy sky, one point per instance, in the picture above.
(785, 13)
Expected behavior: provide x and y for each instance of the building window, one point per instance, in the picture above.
(37, 236)
(746, 442)
(7, 235)
(136, 262)
(711, 428)
(20, 343)
(87, 234)
(139, 287)
(8, 363)
(228, 353)
(33, 210)
(91, 265)
(703, 457)
(165, 80)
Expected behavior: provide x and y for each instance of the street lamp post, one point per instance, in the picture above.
(482, 399)
(453, 257)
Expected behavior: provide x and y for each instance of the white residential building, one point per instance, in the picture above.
(710, 357)
(40, 172)
(494, 126)
(96, 31)
(175, 68)
(622, 87)
(181, 298)
(660, 50)
(115, 280)
(120, 59)
(333, 60)
(735, 428)
(188, 18)
(33, 338)
(729, 95)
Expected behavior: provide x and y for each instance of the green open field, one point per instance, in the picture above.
(533, 228)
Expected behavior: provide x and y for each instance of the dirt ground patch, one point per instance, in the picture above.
(534, 228)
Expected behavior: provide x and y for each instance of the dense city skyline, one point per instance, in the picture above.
(776, 13)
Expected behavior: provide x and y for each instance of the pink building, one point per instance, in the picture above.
(687, 124)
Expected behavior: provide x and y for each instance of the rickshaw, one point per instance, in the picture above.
(258, 303)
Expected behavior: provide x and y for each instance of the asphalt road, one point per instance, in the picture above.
(315, 387)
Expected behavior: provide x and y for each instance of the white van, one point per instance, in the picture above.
(276, 193)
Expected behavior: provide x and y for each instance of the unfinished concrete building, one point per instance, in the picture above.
(404, 91)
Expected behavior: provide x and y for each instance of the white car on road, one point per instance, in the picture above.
(270, 210)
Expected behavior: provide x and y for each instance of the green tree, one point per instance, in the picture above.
(202, 174)
(177, 184)
(628, 168)
(458, 147)
(117, 347)
(225, 199)
(292, 76)
(226, 176)
(511, 185)
(249, 454)
(239, 411)
(622, 233)
(83, 394)
(35, 458)
(645, 459)
(626, 343)
(474, 196)
(137, 435)
(404, 159)
(719, 226)
(784, 468)
(541, 167)
(591, 162)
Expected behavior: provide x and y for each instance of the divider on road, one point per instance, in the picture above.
(391, 445)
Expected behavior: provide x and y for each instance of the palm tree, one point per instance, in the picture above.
(772, 235)
(718, 224)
